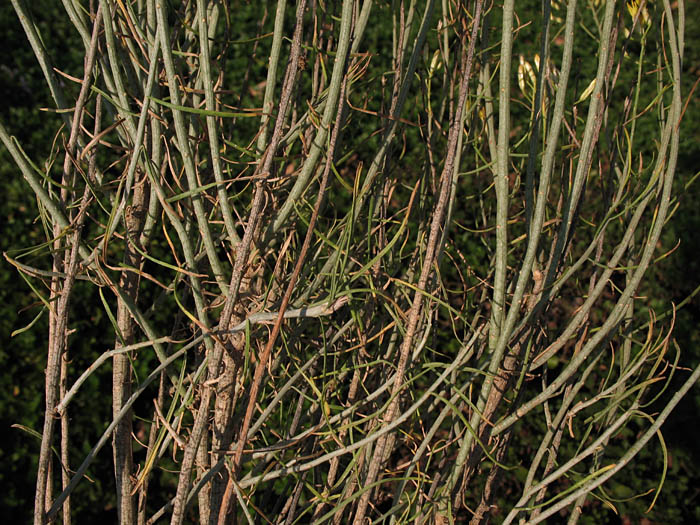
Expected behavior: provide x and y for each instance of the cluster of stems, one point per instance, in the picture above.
(361, 261)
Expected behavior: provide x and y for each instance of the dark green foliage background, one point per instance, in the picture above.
(22, 358)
